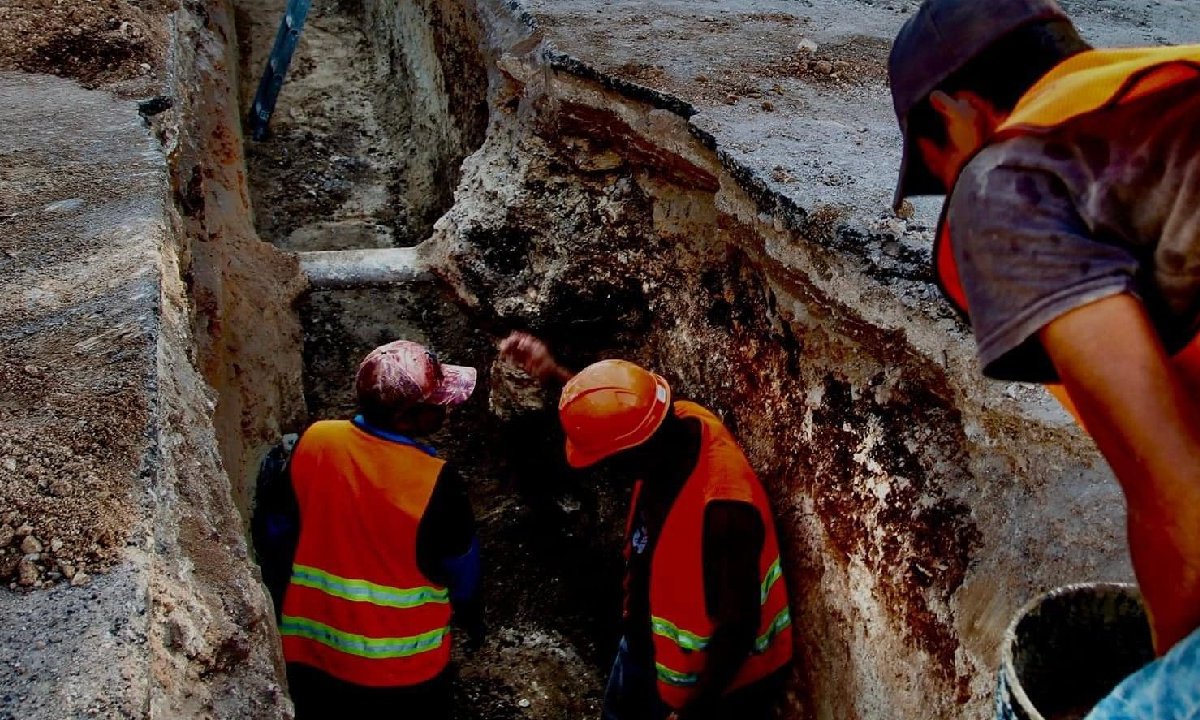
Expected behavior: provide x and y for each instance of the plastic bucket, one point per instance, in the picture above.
(1069, 648)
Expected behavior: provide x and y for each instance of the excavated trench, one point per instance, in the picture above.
(439, 172)
(364, 154)
(590, 218)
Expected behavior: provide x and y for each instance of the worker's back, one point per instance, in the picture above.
(358, 605)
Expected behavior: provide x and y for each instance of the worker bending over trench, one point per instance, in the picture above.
(367, 541)
(706, 631)
(1072, 235)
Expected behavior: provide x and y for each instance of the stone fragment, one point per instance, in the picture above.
(27, 573)
(824, 67)
(10, 464)
(56, 545)
(7, 534)
(80, 579)
(807, 45)
(31, 545)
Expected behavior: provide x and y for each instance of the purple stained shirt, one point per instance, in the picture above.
(1106, 204)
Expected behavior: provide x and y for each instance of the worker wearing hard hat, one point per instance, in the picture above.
(386, 547)
(706, 620)
(1071, 236)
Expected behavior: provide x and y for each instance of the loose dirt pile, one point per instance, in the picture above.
(98, 42)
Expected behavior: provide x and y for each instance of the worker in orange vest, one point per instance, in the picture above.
(384, 547)
(1071, 237)
(706, 620)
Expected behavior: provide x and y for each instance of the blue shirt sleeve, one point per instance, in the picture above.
(1166, 689)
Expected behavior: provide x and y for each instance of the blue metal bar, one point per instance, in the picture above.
(277, 67)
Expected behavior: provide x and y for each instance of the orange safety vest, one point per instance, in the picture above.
(679, 622)
(358, 606)
(1085, 83)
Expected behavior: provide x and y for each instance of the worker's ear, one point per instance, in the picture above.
(969, 121)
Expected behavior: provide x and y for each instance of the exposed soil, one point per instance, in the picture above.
(333, 175)
(781, 51)
(98, 42)
(325, 178)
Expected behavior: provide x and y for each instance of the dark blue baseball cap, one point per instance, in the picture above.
(934, 44)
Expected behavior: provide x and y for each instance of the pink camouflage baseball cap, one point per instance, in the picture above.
(404, 373)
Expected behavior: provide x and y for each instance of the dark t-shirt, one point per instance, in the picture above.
(1106, 204)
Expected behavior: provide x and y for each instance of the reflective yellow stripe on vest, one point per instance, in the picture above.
(368, 592)
(691, 642)
(774, 573)
(668, 675)
(782, 622)
(362, 646)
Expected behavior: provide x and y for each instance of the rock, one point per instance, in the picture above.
(513, 393)
(63, 206)
(768, 106)
(523, 702)
(80, 579)
(27, 573)
(24, 530)
(56, 545)
(67, 569)
(31, 545)
(10, 464)
(824, 67)
(7, 534)
(600, 162)
(807, 46)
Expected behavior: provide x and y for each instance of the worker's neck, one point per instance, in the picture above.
(679, 454)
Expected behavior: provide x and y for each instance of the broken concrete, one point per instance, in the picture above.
(100, 396)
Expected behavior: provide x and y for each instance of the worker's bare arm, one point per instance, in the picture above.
(533, 356)
(1143, 419)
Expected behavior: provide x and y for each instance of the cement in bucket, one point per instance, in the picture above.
(1069, 648)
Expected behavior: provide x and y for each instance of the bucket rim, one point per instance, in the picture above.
(1007, 668)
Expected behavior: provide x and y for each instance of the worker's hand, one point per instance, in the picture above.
(531, 355)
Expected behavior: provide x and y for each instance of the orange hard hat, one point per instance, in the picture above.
(611, 406)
